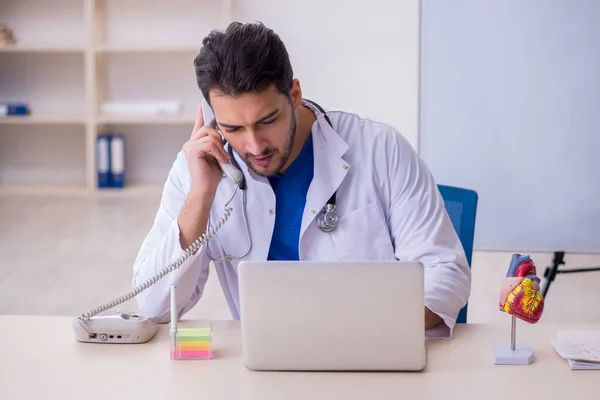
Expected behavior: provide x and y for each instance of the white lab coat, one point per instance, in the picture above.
(389, 208)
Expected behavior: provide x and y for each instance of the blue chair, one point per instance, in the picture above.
(461, 205)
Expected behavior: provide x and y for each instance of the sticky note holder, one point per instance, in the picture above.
(192, 343)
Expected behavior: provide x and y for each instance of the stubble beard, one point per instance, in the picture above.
(287, 151)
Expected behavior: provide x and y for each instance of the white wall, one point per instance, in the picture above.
(360, 56)
(510, 109)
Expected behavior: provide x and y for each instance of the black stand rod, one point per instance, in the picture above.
(552, 270)
(570, 271)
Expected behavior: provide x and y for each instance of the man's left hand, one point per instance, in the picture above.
(432, 319)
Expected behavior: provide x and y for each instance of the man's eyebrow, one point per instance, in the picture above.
(269, 115)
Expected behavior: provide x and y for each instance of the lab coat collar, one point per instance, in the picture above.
(326, 135)
(330, 168)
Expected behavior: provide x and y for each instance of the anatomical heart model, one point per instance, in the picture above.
(521, 298)
(520, 294)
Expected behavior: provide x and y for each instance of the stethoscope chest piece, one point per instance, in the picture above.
(328, 219)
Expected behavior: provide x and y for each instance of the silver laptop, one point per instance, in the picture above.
(332, 316)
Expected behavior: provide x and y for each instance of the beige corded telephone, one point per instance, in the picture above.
(98, 325)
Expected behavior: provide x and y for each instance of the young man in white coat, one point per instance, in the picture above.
(293, 161)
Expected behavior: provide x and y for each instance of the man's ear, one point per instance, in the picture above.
(296, 93)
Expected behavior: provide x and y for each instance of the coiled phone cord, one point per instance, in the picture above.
(86, 316)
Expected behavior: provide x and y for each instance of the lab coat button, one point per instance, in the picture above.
(345, 166)
(313, 211)
(271, 211)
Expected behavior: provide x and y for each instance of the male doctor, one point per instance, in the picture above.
(293, 162)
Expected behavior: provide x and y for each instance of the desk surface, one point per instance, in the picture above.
(39, 358)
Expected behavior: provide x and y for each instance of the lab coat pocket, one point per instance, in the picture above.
(362, 235)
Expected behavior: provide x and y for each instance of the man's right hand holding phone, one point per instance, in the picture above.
(202, 151)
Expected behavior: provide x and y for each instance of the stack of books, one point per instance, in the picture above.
(11, 108)
(110, 160)
(141, 107)
(6, 37)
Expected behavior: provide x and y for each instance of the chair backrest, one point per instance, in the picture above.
(461, 205)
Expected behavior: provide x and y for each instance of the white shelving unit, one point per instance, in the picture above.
(71, 56)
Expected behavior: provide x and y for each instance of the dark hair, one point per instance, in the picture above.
(245, 58)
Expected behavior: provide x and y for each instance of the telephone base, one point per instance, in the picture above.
(119, 327)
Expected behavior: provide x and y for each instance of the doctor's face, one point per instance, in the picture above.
(260, 126)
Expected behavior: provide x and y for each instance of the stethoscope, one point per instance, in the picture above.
(327, 219)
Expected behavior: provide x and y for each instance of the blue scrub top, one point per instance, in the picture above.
(290, 198)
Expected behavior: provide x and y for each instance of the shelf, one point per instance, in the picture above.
(102, 119)
(43, 119)
(41, 189)
(134, 48)
(132, 190)
(41, 49)
(147, 119)
(71, 57)
(63, 190)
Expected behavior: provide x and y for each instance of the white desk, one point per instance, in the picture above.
(40, 359)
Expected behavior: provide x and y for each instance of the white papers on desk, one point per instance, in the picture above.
(141, 107)
(581, 349)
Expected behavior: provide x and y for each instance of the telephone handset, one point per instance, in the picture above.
(228, 168)
(98, 325)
